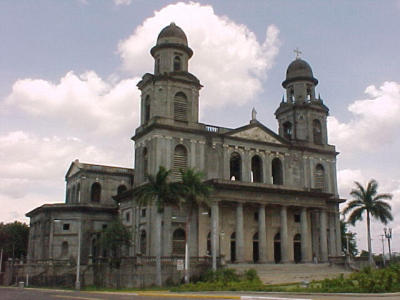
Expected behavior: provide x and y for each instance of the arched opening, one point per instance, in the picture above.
(147, 109)
(308, 94)
(277, 248)
(297, 248)
(145, 164)
(317, 132)
(180, 161)
(291, 95)
(209, 243)
(143, 242)
(180, 107)
(122, 188)
(277, 174)
(319, 177)
(256, 250)
(287, 130)
(64, 249)
(78, 193)
(177, 63)
(233, 247)
(235, 166)
(95, 193)
(256, 168)
(178, 242)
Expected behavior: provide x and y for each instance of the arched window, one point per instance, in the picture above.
(178, 242)
(143, 242)
(147, 109)
(64, 249)
(308, 94)
(319, 177)
(177, 63)
(209, 243)
(277, 173)
(292, 95)
(78, 193)
(145, 164)
(235, 166)
(180, 161)
(287, 130)
(256, 169)
(121, 189)
(180, 107)
(317, 132)
(95, 193)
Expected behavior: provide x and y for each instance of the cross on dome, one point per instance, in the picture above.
(298, 52)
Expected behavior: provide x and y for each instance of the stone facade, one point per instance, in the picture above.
(274, 199)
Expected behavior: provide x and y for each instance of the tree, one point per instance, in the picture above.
(193, 192)
(351, 236)
(159, 191)
(14, 239)
(367, 200)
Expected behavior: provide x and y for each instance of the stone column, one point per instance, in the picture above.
(332, 236)
(262, 235)
(305, 252)
(214, 233)
(284, 235)
(338, 235)
(315, 236)
(239, 233)
(323, 243)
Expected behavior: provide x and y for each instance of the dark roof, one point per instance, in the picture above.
(299, 70)
(172, 31)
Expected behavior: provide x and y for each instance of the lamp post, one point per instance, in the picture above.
(383, 248)
(388, 235)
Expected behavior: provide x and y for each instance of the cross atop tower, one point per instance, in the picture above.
(298, 52)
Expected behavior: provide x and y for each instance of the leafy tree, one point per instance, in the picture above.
(159, 191)
(14, 239)
(352, 239)
(193, 192)
(367, 200)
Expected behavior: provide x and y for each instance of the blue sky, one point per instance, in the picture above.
(68, 71)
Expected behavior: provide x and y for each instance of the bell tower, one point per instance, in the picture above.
(302, 116)
(171, 94)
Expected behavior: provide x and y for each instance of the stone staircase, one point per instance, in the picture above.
(288, 273)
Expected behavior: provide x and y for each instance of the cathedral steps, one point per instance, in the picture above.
(288, 273)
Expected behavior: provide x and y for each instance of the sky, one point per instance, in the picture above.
(68, 74)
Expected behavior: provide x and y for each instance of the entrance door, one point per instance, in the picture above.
(256, 255)
(233, 247)
(297, 248)
(277, 247)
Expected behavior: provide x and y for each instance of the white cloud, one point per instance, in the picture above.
(122, 2)
(375, 120)
(228, 59)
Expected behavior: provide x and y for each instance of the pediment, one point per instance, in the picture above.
(258, 134)
(73, 169)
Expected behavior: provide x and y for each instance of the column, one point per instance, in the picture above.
(315, 236)
(284, 235)
(214, 233)
(322, 236)
(338, 235)
(332, 236)
(239, 233)
(262, 235)
(305, 252)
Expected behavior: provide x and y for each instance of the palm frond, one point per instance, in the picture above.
(356, 215)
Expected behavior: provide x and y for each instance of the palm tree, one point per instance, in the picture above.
(159, 191)
(193, 192)
(368, 200)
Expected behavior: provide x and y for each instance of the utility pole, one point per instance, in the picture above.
(383, 248)
(388, 235)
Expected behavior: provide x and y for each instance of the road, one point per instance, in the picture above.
(43, 294)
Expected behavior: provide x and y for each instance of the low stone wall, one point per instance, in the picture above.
(133, 272)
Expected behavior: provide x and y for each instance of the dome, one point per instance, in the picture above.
(299, 70)
(172, 34)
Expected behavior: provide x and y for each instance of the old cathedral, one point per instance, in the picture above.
(274, 199)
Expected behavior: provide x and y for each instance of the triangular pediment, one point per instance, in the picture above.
(257, 132)
(73, 169)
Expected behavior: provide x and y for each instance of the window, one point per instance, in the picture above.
(145, 164)
(147, 109)
(296, 218)
(256, 169)
(319, 177)
(235, 166)
(128, 216)
(178, 242)
(66, 226)
(277, 174)
(64, 249)
(292, 95)
(121, 189)
(95, 192)
(143, 213)
(317, 132)
(177, 63)
(143, 242)
(209, 243)
(256, 216)
(308, 94)
(180, 161)
(287, 130)
(73, 195)
(180, 107)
